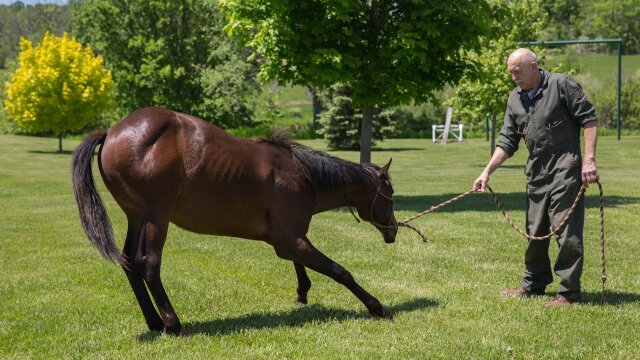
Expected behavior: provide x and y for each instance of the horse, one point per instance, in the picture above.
(165, 167)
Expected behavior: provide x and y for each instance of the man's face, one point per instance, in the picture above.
(522, 73)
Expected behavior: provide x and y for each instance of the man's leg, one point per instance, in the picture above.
(570, 258)
(537, 271)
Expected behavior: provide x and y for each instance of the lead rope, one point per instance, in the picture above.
(603, 274)
(565, 219)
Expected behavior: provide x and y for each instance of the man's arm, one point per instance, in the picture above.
(589, 168)
(499, 156)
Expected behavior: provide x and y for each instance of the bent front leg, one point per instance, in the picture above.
(303, 253)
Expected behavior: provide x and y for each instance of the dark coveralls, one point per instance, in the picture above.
(550, 124)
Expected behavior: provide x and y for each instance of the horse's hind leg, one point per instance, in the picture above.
(304, 284)
(302, 252)
(154, 233)
(133, 253)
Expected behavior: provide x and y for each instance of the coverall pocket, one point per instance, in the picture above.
(560, 132)
(555, 123)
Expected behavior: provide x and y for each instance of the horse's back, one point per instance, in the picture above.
(206, 180)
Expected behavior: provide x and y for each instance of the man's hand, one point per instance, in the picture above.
(481, 182)
(589, 171)
(498, 157)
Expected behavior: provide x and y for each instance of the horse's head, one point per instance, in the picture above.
(379, 209)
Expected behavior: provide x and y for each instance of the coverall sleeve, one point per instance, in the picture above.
(508, 139)
(580, 108)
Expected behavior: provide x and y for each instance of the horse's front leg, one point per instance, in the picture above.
(304, 284)
(302, 252)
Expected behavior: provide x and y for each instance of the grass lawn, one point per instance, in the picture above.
(59, 299)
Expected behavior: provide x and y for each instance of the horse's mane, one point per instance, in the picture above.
(323, 170)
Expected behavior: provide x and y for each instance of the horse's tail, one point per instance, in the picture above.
(93, 215)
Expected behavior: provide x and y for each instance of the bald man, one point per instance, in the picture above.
(548, 110)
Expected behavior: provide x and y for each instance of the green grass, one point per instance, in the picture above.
(294, 103)
(59, 299)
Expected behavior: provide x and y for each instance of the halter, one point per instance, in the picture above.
(385, 228)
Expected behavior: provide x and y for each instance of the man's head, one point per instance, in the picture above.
(523, 67)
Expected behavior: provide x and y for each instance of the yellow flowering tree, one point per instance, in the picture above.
(59, 87)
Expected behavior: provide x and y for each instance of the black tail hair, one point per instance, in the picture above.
(93, 216)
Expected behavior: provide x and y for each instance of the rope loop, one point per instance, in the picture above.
(558, 229)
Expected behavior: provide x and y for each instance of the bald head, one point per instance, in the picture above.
(523, 66)
(523, 56)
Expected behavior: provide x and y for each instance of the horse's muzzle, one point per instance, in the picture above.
(389, 234)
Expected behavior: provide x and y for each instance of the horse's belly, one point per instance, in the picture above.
(231, 220)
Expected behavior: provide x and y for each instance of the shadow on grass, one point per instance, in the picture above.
(393, 149)
(396, 149)
(297, 317)
(484, 201)
(56, 152)
(611, 298)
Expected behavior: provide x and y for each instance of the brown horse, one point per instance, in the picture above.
(162, 166)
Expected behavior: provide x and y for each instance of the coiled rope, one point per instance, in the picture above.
(565, 219)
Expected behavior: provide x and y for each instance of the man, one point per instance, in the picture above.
(548, 110)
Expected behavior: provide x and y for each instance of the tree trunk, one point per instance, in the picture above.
(486, 125)
(317, 105)
(59, 143)
(366, 134)
(493, 132)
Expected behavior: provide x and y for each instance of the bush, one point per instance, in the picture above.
(630, 103)
(604, 99)
(59, 87)
(340, 122)
(416, 121)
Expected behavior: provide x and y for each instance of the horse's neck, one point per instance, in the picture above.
(351, 195)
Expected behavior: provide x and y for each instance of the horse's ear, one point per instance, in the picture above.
(385, 169)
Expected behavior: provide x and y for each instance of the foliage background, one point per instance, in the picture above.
(171, 54)
(563, 19)
(60, 87)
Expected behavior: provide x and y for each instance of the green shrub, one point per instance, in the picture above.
(630, 103)
(416, 121)
(340, 122)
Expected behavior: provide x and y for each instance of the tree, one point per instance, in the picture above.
(390, 52)
(337, 121)
(31, 22)
(562, 18)
(484, 89)
(59, 87)
(613, 19)
(173, 54)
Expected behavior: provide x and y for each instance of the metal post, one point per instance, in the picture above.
(486, 126)
(619, 87)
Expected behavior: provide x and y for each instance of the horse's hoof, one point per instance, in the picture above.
(184, 332)
(156, 327)
(178, 331)
(300, 301)
(382, 313)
